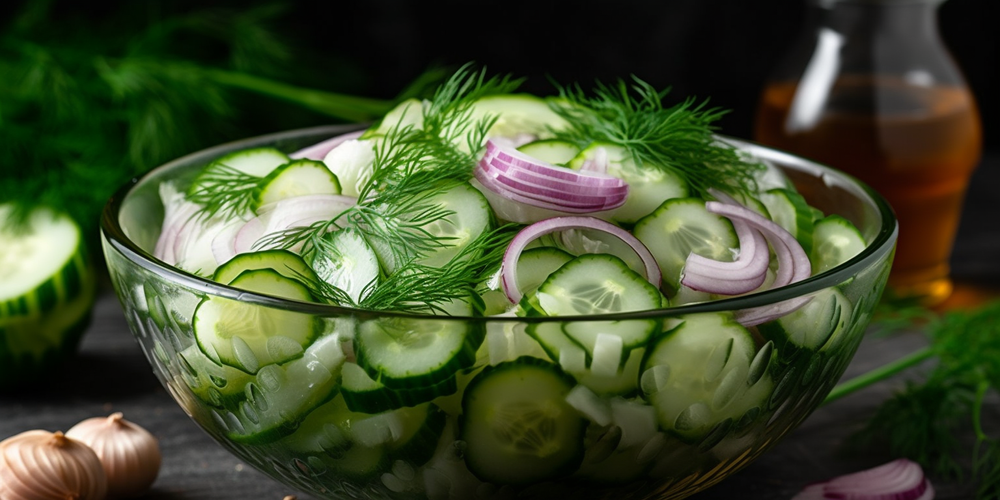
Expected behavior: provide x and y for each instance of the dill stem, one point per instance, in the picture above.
(347, 107)
(878, 374)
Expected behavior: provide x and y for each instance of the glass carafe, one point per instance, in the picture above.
(869, 88)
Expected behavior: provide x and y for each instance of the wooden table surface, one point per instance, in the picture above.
(111, 374)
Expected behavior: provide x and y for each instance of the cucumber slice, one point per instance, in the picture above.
(835, 240)
(599, 284)
(812, 326)
(295, 178)
(518, 427)
(791, 211)
(47, 290)
(518, 114)
(258, 162)
(679, 227)
(284, 262)
(554, 151)
(362, 394)
(649, 185)
(408, 113)
(471, 215)
(249, 336)
(406, 353)
(701, 378)
(347, 262)
(536, 264)
(281, 396)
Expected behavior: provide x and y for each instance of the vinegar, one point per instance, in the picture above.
(915, 145)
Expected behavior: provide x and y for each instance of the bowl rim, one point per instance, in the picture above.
(882, 244)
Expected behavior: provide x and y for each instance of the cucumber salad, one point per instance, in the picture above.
(483, 201)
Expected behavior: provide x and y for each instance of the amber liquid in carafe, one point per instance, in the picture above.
(917, 146)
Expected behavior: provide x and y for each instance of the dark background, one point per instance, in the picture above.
(720, 50)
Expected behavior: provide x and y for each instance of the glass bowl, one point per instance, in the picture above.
(729, 397)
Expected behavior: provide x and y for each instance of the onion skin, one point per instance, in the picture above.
(41, 465)
(129, 454)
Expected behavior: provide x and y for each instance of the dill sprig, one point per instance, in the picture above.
(420, 289)
(678, 138)
(924, 421)
(224, 191)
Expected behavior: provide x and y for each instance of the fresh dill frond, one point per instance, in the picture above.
(421, 289)
(678, 138)
(224, 191)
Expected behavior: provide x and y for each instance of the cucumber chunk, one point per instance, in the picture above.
(835, 240)
(250, 336)
(679, 227)
(699, 377)
(295, 178)
(47, 291)
(518, 427)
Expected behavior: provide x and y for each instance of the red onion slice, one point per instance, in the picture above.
(554, 196)
(508, 272)
(319, 151)
(519, 159)
(496, 188)
(499, 166)
(900, 479)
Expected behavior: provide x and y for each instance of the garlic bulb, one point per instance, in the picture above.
(129, 453)
(41, 465)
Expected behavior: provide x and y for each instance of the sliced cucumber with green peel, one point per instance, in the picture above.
(600, 284)
(681, 226)
(536, 264)
(251, 336)
(256, 162)
(649, 185)
(281, 396)
(218, 385)
(47, 290)
(554, 151)
(409, 113)
(284, 262)
(701, 378)
(296, 178)
(791, 211)
(363, 394)
(406, 353)
(518, 427)
(835, 240)
(811, 326)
